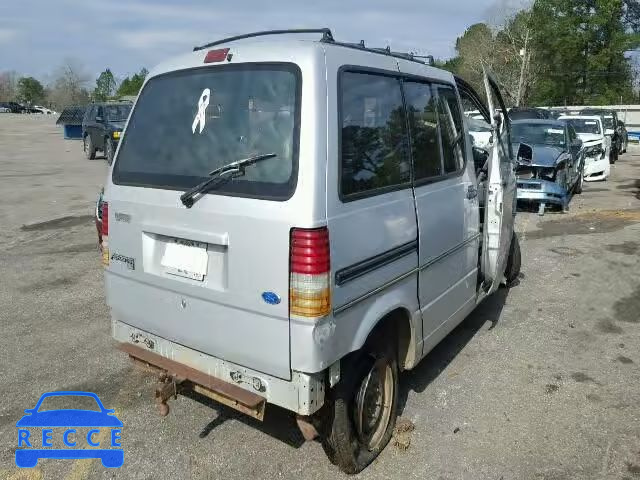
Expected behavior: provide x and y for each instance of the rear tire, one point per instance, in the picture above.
(366, 393)
(514, 261)
(89, 149)
(579, 184)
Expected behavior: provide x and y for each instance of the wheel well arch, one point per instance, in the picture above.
(396, 324)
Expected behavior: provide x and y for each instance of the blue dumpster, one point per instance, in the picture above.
(71, 121)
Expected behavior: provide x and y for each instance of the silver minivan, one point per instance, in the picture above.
(295, 220)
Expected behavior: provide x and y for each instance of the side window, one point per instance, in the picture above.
(88, 114)
(423, 126)
(374, 139)
(451, 130)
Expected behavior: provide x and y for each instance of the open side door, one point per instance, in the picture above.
(500, 205)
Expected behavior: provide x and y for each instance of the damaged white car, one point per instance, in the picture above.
(596, 145)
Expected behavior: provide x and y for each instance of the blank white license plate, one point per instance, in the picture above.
(185, 258)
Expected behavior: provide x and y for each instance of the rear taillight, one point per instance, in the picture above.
(309, 273)
(105, 233)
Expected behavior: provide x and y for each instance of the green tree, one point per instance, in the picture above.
(582, 45)
(499, 49)
(132, 85)
(105, 86)
(30, 90)
(475, 48)
(452, 64)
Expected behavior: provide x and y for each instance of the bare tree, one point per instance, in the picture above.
(69, 84)
(514, 49)
(8, 85)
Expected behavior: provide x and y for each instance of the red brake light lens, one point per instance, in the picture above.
(214, 56)
(310, 251)
(105, 219)
(105, 234)
(309, 275)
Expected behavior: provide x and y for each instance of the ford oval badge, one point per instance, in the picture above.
(271, 298)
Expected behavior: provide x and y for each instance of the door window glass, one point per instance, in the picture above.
(374, 152)
(423, 126)
(450, 120)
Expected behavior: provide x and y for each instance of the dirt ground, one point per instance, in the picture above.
(540, 382)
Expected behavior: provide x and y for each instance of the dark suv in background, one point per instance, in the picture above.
(102, 126)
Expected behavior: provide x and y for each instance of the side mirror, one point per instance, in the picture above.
(497, 118)
(577, 143)
(99, 119)
(525, 154)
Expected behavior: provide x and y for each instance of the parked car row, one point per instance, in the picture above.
(15, 107)
(558, 150)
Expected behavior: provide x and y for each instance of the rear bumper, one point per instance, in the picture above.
(541, 191)
(304, 394)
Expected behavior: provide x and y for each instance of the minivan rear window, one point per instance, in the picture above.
(190, 122)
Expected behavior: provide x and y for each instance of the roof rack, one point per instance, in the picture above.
(386, 51)
(327, 36)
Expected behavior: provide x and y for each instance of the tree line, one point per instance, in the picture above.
(557, 52)
(70, 84)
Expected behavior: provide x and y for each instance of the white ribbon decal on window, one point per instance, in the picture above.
(203, 103)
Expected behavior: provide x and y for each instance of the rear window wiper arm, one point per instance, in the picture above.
(234, 168)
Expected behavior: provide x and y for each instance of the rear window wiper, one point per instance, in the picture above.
(234, 168)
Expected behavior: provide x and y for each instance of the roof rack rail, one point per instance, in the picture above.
(327, 36)
(429, 59)
(384, 51)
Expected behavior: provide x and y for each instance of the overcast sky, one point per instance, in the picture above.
(37, 35)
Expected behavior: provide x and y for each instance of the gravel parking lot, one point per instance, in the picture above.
(541, 382)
